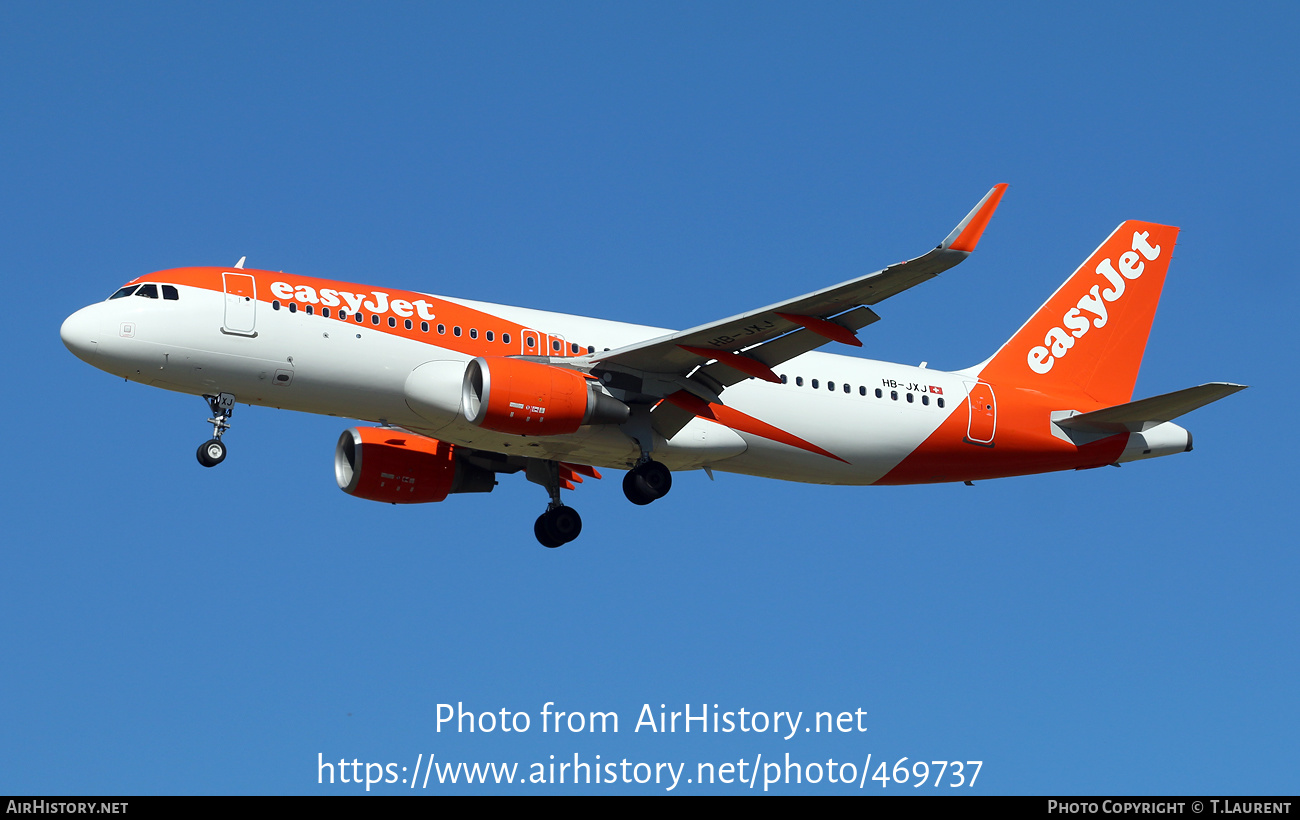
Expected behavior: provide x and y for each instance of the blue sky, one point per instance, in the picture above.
(170, 629)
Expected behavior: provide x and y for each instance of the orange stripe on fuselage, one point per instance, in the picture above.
(450, 314)
(737, 420)
(1023, 444)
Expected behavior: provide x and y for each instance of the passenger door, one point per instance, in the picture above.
(983, 408)
(241, 304)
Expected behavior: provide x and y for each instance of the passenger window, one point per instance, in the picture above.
(490, 336)
(893, 394)
(361, 318)
(862, 391)
(909, 398)
(408, 324)
(169, 292)
(784, 380)
(574, 347)
(424, 327)
(455, 331)
(505, 338)
(941, 402)
(591, 348)
(392, 321)
(275, 305)
(798, 381)
(879, 394)
(126, 291)
(293, 307)
(815, 384)
(374, 318)
(830, 386)
(925, 399)
(325, 312)
(310, 310)
(442, 329)
(555, 346)
(473, 333)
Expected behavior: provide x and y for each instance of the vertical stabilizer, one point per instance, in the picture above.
(1088, 339)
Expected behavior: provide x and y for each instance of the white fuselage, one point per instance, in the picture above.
(303, 362)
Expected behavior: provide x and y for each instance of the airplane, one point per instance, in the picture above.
(463, 391)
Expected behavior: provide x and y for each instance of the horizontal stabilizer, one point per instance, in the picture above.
(1135, 415)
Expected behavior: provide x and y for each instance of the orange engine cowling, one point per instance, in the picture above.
(533, 399)
(382, 464)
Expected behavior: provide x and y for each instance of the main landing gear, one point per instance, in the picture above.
(646, 482)
(559, 524)
(212, 452)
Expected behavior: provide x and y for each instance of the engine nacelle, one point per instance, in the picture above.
(532, 399)
(381, 464)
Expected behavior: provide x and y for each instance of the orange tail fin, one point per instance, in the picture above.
(1088, 339)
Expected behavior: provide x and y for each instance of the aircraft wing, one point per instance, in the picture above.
(705, 360)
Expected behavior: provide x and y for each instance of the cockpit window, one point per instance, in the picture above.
(149, 291)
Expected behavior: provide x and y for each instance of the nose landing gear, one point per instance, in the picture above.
(212, 452)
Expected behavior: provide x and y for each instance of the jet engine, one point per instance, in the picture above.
(532, 399)
(383, 464)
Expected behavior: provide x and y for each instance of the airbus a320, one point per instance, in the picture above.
(458, 392)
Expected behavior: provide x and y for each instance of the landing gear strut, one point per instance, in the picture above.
(646, 482)
(212, 452)
(559, 524)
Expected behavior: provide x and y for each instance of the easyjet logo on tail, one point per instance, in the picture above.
(1090, 311)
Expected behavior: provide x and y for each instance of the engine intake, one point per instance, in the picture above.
(532, 399)
(381, 464)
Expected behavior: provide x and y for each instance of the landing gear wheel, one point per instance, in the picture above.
(647, 482)
(211, 453)
(544, 538)
(562, 524)
(657, 478)
(635, 490)
(558, 525)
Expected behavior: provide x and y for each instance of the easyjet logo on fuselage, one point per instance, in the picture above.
(376, 301)
(1090, 311)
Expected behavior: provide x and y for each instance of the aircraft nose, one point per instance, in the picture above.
(79, 334)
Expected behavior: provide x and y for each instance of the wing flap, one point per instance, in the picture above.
(784, 348)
